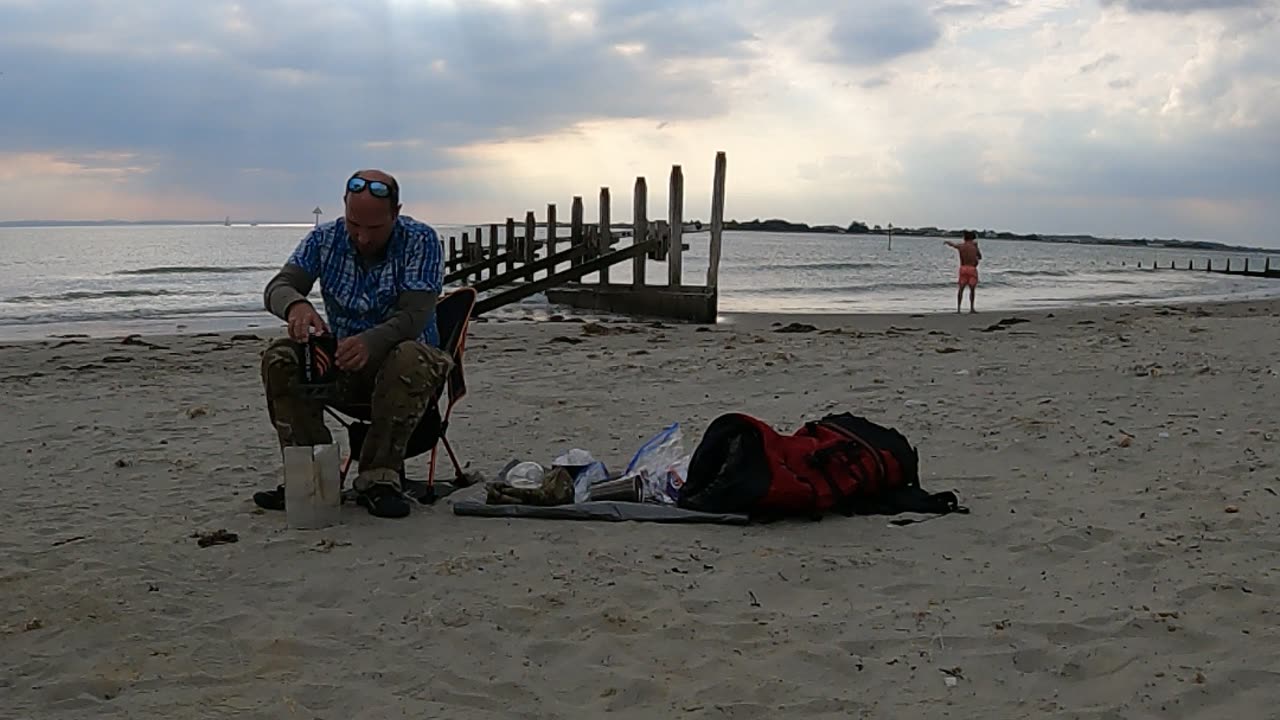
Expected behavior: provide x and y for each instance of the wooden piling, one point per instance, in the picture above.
(453, 251)
(576, 236)
(493, 247)
(551, 232)
(511, 244)
(468, 252)
(675, 220)
(717, 221)
(605, 236)
(639, 230)
(530, 236)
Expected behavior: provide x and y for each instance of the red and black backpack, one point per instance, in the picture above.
(841, 463)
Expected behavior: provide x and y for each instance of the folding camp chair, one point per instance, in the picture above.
(453, 315)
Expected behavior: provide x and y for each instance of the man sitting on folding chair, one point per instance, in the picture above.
(381, 274)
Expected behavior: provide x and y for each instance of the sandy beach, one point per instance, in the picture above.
(1119, 465)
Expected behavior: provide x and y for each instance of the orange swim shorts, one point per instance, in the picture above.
(968, 276)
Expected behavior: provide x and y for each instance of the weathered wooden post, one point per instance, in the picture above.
(675, 219)
(717, 221)
(453, 252)
(511, 244)
(530, 246)
(1267, 267)
(493, 248)
(605, 236)
(639, 230)
(551, 235)
(576, 238)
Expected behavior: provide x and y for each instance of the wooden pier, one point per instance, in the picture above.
(512, 261)
(1228, 267)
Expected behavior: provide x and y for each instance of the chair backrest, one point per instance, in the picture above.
(453, 315)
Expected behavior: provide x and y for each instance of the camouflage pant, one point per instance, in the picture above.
(394, 396)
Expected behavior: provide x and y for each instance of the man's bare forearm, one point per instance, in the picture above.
(289, 286)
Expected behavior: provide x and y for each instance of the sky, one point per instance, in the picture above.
(1131, 118)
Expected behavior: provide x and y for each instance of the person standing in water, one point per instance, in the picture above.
(970, 256)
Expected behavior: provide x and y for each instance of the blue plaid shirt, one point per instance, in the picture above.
(357, 298)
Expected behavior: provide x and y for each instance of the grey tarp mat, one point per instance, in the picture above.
(599, 510)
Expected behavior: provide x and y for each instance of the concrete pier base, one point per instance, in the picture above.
(686, 303)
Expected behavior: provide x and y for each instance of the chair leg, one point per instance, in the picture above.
(457, 468)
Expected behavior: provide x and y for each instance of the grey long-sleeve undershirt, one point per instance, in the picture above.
(413, 309)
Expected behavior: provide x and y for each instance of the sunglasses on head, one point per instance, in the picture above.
(377, 188)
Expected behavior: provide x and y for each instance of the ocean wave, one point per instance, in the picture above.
(240, 308)
(197, 270)
(100, 295)
(1083, 270)
(837, 289)
(812, 266)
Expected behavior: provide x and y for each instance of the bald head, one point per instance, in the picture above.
(369, 218)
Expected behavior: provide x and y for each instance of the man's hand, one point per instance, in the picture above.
(353, 354)
(302, 316)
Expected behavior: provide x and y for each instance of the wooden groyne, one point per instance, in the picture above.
(508, 262)
(1228, 267)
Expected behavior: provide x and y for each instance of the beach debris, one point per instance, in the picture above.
(197, 411)
(596, 329)
(755, 602)
(215, 537)
(117, 359)
(123, 462)
(67, 541)
(796, 327)
(1005, 324)
(567, 340)
(245, 338)
(33, 624)
(946, 350)
(1164, 435)
(1125, 441)
(137, 340)
(1232, 509)
(327, 545)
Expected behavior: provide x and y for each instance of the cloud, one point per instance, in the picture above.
(871, 32)
(1100, 63)
(1185, 6)
(210, 90)
(1127, 116)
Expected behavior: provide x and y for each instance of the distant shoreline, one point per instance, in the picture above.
(857, 228)
(771, 225)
